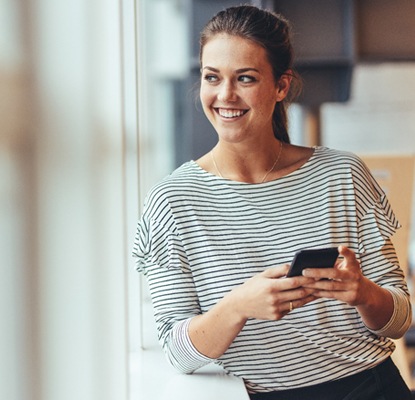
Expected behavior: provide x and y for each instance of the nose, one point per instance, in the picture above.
(226, 92)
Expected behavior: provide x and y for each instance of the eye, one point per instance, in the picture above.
(246, 79)
(211, 78)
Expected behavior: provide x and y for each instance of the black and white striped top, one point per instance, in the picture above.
(201, 235)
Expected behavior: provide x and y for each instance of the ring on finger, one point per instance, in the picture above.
(291, 306)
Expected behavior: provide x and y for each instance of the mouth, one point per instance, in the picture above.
(228, 113)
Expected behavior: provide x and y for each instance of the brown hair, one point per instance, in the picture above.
(271, 31)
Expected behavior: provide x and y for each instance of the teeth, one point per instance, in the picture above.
(230, 113)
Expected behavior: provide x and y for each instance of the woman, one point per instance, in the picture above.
(217, 235)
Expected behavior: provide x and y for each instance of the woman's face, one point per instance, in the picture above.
(238, 90)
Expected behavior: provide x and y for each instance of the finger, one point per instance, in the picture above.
(296, 294)
(293, 283)
(276, 272)
(328, 294)
(293, 304)
(329, 285)
(322, 273)
(343, 296)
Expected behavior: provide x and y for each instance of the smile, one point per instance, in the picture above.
(229, 113)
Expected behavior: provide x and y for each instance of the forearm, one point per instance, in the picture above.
(399, 319)
(389, 309)
(180, 351)
(377, 307)
(214, 331)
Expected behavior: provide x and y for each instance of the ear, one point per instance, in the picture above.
(283, 85)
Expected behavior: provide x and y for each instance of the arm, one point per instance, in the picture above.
(175, 303)
(393, 280)
(191, 339)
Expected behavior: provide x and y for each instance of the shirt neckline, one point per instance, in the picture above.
(277, 180)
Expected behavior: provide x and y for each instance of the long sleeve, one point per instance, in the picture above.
(162, 260)
(377, 224)
(393, 280)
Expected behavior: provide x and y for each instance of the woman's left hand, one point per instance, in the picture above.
(346, 282)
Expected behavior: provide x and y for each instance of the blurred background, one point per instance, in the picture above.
(98, 101)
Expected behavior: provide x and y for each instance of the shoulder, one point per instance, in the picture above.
(333, 154)
(321, 156)
(188, 178)
(187, 175)
(171, 182)
(340, 158)
(348, 167)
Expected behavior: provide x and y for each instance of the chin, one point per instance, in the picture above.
(231, 137)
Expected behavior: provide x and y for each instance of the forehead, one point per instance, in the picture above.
(228, 50)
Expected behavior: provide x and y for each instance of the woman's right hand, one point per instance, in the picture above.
(267, 296)
(270, 295)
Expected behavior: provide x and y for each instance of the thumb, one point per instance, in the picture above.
(347, 253)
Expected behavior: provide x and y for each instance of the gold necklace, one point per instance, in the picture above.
(265, 176)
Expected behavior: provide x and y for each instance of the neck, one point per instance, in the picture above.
(253, 168)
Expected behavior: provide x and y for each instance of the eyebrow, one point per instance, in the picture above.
(239, 71)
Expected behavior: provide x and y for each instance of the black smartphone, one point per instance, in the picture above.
(313, 258)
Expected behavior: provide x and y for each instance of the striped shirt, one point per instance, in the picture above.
(200, 236)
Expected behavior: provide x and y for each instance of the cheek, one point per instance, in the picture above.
(259, 102)
(205, 92)
(206, 98)
(266, 103)
(264, 111)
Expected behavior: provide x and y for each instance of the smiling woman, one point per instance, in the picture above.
(216, 236)
(239, 93)
(238, 84)
(279, 56)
